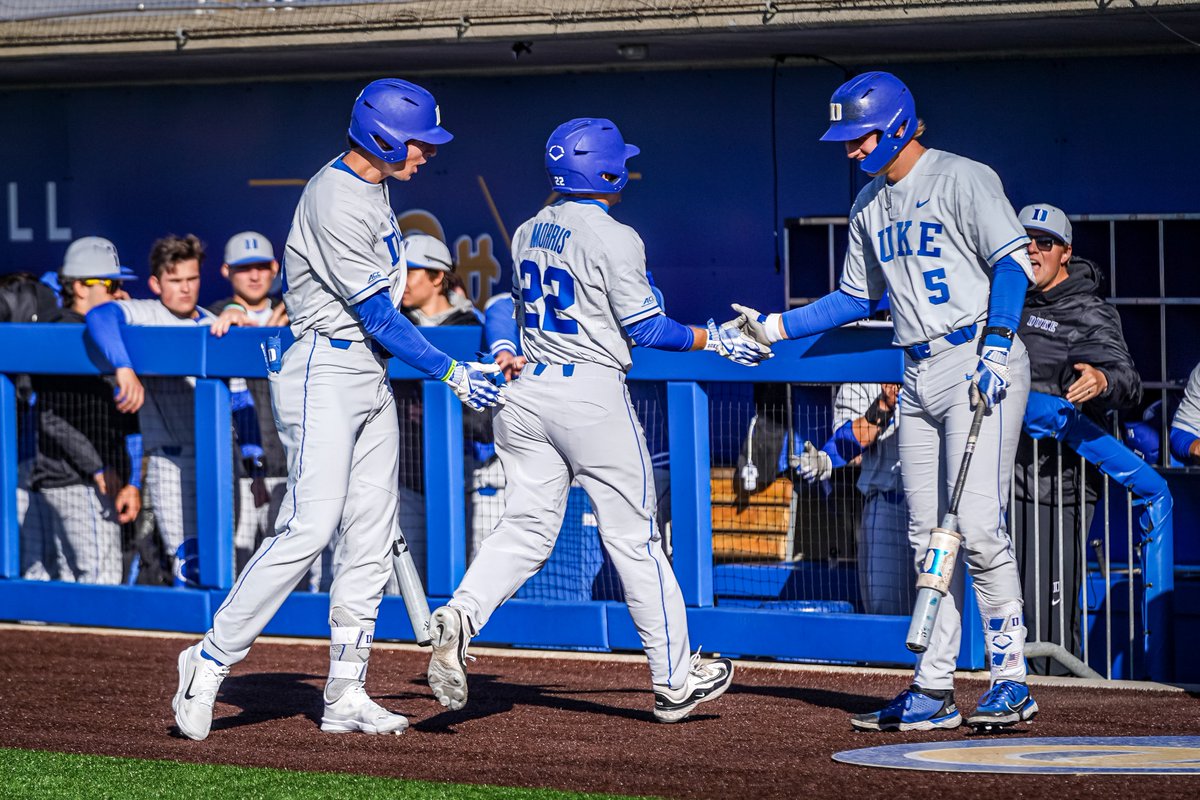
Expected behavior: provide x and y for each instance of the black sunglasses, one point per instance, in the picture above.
(1044, 243)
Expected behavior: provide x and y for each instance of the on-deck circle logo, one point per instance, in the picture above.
(1074, 755)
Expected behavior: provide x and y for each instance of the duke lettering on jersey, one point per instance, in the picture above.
(897, 244)
(549, 236)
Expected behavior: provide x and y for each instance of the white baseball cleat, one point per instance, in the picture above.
(199, 679)
(704, 682)
(448, 664)
(355, 712)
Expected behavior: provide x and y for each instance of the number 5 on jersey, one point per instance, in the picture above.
(556, 288)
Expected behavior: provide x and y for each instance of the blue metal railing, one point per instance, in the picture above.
(859, 355)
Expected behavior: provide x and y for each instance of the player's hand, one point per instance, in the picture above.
(814, 465)
(991, 374)
(128, 504)
(510, 364)
(1090, 384)
(279, 317)
(106, 481)
(259, 491)
(130, 393)
(471, 383)
(728, 341)
(765, 329)
(229, 318)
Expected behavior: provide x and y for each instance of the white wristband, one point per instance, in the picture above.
(774, 327)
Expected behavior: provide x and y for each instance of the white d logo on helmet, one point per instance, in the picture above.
(835, 112)
(556, 152)
(437, 115)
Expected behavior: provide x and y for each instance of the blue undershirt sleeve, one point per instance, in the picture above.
(388, 327)
(104, 324)
(660, 332)
(500, 327)
(1009, 283)
(843, 445)
(834, 309)
(1181, 444)
(133, 446)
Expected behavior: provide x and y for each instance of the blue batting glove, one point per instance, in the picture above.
(991, 374)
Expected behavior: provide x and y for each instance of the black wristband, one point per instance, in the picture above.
(879, 416)
(996, 330)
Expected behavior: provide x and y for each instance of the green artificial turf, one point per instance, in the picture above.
(35, 773)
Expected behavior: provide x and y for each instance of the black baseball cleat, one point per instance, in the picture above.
(1004, 705)
(704, 682)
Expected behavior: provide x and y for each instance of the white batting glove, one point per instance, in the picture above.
(471, 383)
(814, 465)
(991, 375)
(762, 328)
(730, 342)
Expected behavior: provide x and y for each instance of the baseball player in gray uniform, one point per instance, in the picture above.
(344, 271)
(934, 232)
(582, 298)
(865, 424)
(1185, 425)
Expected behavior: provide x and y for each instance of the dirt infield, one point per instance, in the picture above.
(541, 722)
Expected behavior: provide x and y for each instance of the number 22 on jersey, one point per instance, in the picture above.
(556, 288)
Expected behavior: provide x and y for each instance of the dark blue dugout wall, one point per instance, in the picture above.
(1091, 135)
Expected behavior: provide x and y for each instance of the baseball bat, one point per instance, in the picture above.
(937, 569)
(411, 589)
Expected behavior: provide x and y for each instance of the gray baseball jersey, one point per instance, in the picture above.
(880, 470)
(930, 240)
(579, 277)
(1187, 416)
(344, 246)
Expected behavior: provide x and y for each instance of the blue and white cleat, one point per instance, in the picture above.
(1003, 705)
(914, 709)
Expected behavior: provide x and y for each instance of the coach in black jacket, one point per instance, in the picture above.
(1076, 351)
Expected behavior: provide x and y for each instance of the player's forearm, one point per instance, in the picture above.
(104, 324)
(500, 326)
(1184, 445)
(831, 311)
(660, 332)
(1009, 284)
(387, 326)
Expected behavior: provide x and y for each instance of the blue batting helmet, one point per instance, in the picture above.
(1143, 439)
(389, 113)
(874, 101)
(580, 153)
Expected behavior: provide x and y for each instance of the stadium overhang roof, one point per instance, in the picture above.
(81, 42)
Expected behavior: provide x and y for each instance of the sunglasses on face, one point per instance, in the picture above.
(1044, 243)
(111, 286)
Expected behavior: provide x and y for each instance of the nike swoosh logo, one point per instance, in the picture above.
(923, 202)
(187, 694)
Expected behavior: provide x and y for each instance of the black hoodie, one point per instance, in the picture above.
(1070, 324)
